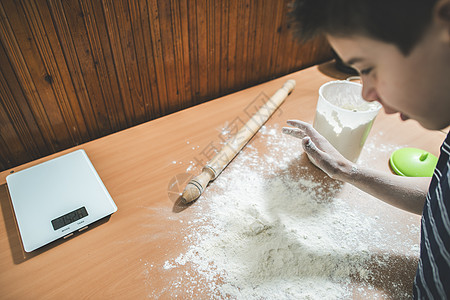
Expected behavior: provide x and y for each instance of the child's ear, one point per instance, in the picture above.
(442, 17)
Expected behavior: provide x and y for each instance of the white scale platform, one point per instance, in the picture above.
(56, 198)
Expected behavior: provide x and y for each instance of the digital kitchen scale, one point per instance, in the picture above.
(56, 198)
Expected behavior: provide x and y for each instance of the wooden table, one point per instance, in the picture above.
(112, 259)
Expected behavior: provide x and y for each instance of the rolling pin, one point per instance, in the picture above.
(215, 166)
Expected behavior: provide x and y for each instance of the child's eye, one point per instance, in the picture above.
(366, 71)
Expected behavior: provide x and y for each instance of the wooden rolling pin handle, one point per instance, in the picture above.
(289, 86)
(197, 185)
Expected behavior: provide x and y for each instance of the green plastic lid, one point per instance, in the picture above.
(413, 162)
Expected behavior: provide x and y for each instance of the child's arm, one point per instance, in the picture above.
(407, 193)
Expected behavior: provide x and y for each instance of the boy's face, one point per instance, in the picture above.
(417, 85)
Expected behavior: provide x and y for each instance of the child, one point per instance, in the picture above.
(401, 49)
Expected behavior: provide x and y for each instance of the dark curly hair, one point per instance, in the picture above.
(398, 22)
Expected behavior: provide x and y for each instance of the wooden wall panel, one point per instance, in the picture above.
(75, 70)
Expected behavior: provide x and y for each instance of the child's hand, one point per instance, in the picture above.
(320, 152)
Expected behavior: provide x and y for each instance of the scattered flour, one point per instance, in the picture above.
(265, 232)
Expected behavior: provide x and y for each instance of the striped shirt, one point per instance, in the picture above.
(433, 273)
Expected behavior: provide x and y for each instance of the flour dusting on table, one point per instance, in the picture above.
(265, 229)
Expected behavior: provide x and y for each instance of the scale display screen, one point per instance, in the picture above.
(69, 218)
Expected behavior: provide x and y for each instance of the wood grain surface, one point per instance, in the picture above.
(73, 71)
(114, 259)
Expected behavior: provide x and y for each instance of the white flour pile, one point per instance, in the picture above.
(267, 233)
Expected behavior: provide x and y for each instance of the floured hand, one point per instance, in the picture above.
(319, 151)
(407, 193)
